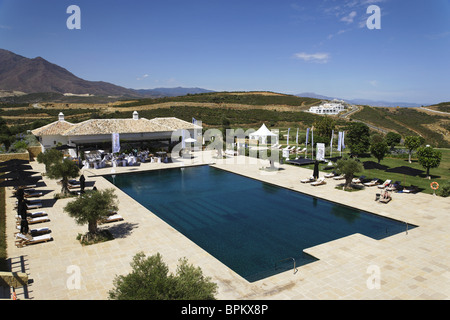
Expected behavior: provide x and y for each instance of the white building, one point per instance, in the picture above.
(333, 107)
(98, 132)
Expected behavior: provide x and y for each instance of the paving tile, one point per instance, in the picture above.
(413, 266)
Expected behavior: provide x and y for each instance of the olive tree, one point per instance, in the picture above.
(150, 280)
(63, 170)
(91, 207)
(348, 167)
(49, 157)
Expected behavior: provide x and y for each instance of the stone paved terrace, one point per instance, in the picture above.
(412, 265)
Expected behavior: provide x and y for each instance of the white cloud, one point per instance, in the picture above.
(143, 77)
(318, 57)
(332, 35)
(349, 18)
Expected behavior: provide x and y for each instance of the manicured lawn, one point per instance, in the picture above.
(405, 172)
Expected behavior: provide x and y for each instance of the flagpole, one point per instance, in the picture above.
(306, 142)
(331, 144)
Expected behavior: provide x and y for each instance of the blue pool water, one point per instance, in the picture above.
(252, 227)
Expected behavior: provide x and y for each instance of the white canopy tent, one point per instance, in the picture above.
(262, 134)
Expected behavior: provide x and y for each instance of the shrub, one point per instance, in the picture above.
(150, 280)
(18, 147)
(444, 190)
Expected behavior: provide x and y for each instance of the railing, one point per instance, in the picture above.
(295, 268)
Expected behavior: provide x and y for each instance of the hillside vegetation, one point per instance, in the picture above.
(235, 109)
(443, 107)
(243, 98)
(409, 121)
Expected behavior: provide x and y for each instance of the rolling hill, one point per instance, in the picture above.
(38, 75)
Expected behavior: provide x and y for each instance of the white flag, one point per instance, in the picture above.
(343, 138)
(340, 141)
(183, 143)
(115, 142)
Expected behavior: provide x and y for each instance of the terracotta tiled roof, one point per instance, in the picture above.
(54, 128)
(109, 126)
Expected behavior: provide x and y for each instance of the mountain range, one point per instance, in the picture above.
(373, 103)
(26, 75)
(18, 73)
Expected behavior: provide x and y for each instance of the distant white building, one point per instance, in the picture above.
(333, 107)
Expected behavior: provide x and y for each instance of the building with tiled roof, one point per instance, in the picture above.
(98, 132)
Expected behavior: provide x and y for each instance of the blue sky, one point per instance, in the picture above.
(321, 46)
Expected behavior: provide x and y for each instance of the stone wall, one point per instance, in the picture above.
(11, 156)
(34, 151)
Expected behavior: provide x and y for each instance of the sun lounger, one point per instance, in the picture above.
(37, 214)
(73, 186)
(35, 220)
(411, 189)
(34, 214)
(35, 205)
(32, 204)
(394, 187)
(36, 232)
(341, 177)
(385, 184)
(29, 186)
(24, 240)
(319, 182)
(358, 180)
(308, 180)
(372, 183)
(385, 200)
(330, 175)
(113, 218)
(299, 150)
(32, 194)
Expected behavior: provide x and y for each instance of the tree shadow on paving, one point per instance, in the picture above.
(122, 230)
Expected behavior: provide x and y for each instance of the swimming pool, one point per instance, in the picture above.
(253, 227)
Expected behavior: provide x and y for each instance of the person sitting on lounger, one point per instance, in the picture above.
(385, 197)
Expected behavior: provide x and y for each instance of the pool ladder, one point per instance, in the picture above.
(290, 258)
